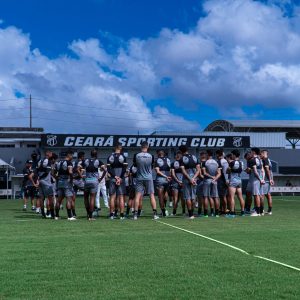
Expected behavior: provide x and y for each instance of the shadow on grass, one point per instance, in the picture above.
(28, 216)
(20, 210)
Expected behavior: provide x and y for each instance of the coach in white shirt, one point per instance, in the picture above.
(102, 189)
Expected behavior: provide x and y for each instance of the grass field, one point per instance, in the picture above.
(43, 259)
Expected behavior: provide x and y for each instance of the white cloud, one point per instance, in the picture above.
(90, 49)
(98, 100)
(241, 53)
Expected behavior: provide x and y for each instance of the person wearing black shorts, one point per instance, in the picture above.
(223, 182)
(78, 173)
(200, 180)
(78, 178)
(28, 185)
(248, 201)
(131, 194)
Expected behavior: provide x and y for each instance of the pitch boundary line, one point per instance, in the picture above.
(230, 246)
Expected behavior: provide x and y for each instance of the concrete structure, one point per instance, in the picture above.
(20, 137)
(17, 144)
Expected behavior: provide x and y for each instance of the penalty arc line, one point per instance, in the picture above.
(230, 246)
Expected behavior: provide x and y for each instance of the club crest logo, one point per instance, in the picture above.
(176, 164)
(237, 141)
(185, 160)
(51, 140)
(121, 159)
(160, 162)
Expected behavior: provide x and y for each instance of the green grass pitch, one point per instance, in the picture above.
(47, 259)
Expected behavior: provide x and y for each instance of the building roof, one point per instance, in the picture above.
(15, 133)
(266, 123)
(21, 129)
(5, 165)
(290, 127)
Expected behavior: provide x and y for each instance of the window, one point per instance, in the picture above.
(7, 145)
(31, 146)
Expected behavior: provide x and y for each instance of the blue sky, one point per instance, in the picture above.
(65, 21)
(180, 63)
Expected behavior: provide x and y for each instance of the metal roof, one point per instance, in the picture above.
(266, 123)
(290, 127)
(4, 164)
(21, 129)
(13, 140)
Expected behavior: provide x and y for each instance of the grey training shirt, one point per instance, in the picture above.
(211, 167)
(143, 161)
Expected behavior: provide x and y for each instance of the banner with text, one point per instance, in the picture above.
(132, 141)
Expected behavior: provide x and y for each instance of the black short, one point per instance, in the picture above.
(127, 190)
(131, 193)
(31, 192)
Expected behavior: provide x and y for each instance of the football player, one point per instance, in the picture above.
(144, 161)
(91, 166)
(64, 170)
(177, 183)
(211, 172)
(162, 167)
(117, 165)
(234, 170)
(45, 184)
(257, 180)
(190, 169)
(269, 181)
(222, 181)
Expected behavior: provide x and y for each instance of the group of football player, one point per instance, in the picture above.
(204, 183)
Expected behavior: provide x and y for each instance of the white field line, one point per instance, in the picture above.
(277, 262)
(230, 246)
(26, 220)
(205, 237)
